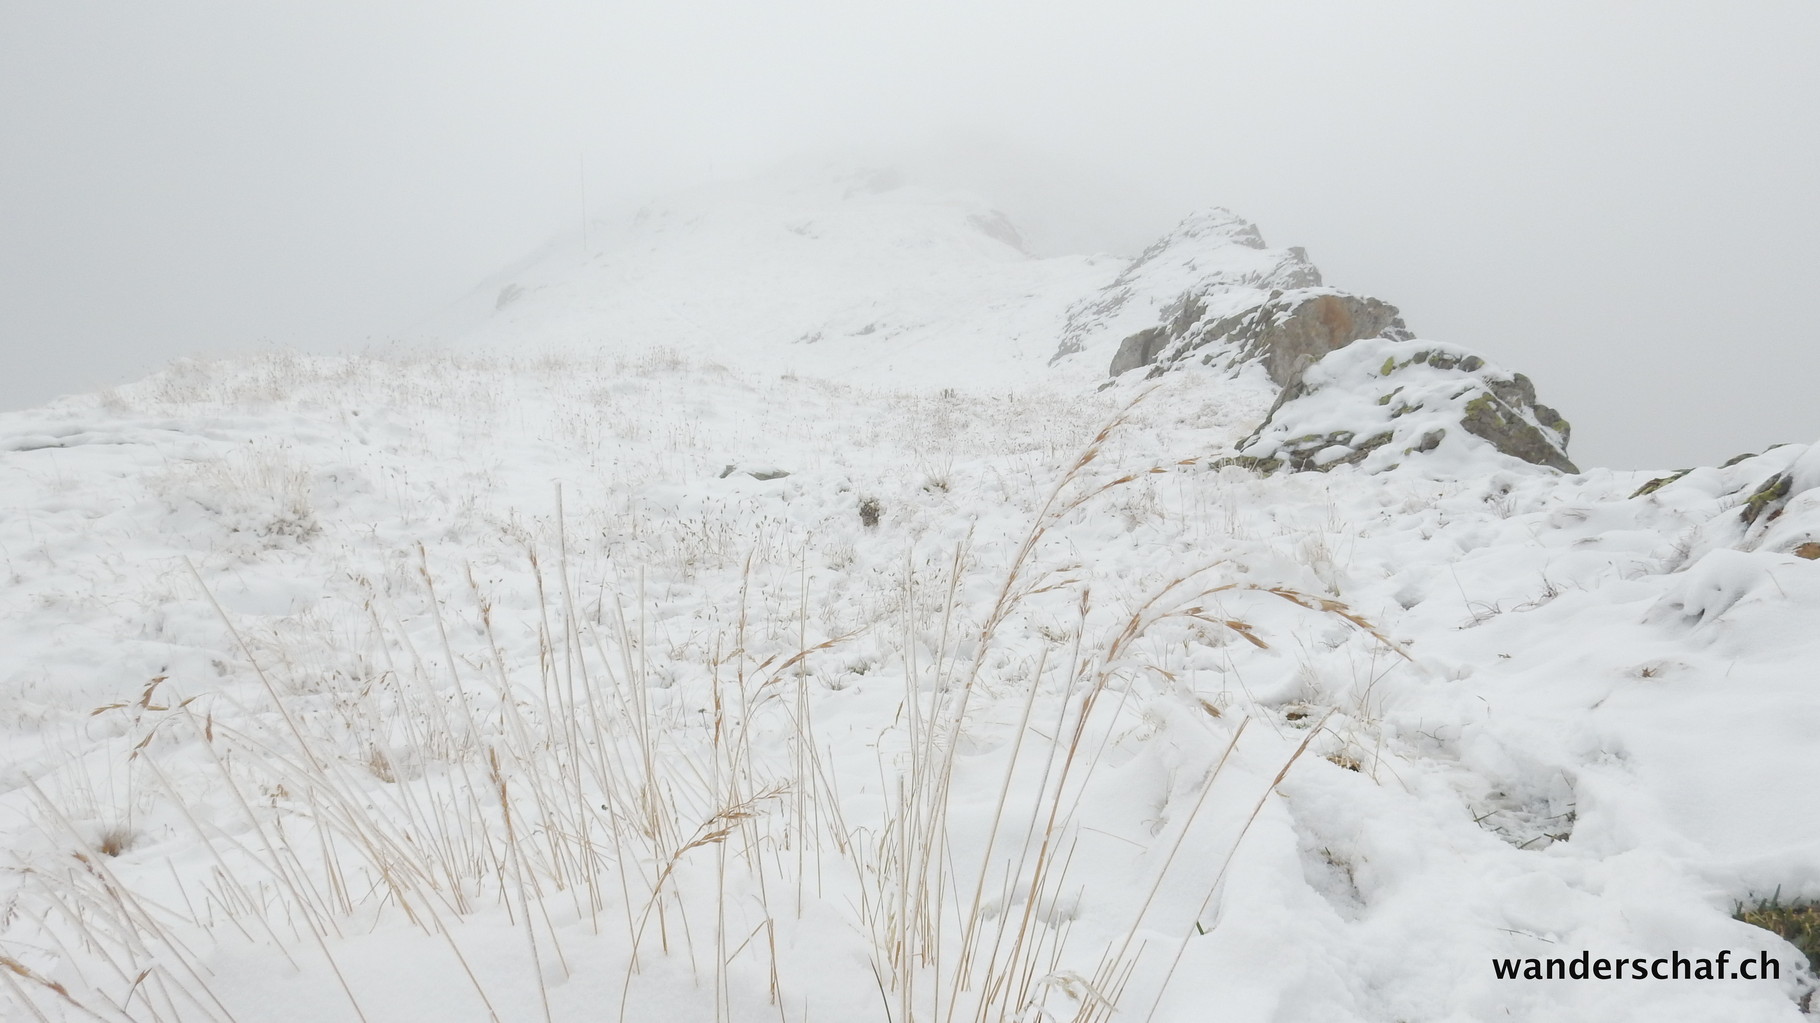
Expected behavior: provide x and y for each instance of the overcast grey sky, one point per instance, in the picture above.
(1617, 198)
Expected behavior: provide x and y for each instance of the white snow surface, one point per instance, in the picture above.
(470, 685)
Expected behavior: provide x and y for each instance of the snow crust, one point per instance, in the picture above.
(464, 685)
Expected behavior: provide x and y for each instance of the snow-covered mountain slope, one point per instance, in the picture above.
(841, 274)
(499, 685)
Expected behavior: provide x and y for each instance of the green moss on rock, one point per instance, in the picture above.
(1261, 466)
(1658, 483)
(1768, 498)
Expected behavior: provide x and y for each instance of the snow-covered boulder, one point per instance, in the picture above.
(1379, 401)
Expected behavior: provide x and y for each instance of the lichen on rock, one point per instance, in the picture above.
(1768, 499)
(1659, 482)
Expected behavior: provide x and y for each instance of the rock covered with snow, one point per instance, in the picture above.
(1211, 290)
(1746, 533)
(1767, 502)
(1798, 486)
(1379, 401)
(1212, 294)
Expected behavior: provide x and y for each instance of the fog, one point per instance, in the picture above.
(1616, 198)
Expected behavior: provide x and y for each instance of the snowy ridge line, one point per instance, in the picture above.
(863, 277)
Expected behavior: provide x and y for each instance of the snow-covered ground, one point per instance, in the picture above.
(495, 684)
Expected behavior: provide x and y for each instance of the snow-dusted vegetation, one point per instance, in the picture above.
(747, 638)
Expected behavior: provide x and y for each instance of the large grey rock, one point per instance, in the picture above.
(1285, 332)
(1355, 388)
(1212, 291)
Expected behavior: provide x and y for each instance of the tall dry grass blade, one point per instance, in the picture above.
(1232, 850)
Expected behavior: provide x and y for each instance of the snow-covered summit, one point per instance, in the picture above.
(1213, 252)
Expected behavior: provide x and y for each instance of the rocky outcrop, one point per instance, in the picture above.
(1212, 292)
(1356, 388)
(1505, 413)
(1379, 401)
(1285, 332)
(1212, 262)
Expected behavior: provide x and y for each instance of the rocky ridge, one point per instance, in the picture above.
(872, 280)
(1215, 296)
